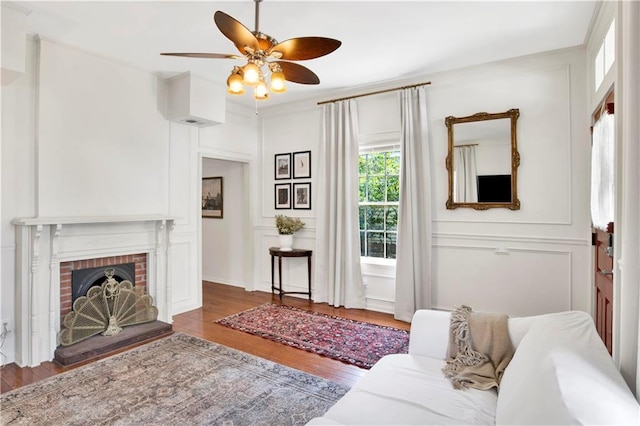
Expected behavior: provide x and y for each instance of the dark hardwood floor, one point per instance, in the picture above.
(220, 301)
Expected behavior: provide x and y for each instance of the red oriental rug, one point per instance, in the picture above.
(354, 342)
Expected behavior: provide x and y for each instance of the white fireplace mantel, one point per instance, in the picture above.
(74, 220)
(44, 242)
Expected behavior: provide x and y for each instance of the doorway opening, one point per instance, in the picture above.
(225, 234)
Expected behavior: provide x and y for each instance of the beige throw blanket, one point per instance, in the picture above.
(479, 349)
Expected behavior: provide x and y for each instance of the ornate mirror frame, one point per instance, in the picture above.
(512, 115)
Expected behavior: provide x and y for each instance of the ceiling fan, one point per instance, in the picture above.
(261, 50)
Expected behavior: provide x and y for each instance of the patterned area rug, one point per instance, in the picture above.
(354, 342)
(178, 380)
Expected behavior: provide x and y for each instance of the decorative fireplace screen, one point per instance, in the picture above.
(106, 309)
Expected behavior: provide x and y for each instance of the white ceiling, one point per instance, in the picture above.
(381, 41)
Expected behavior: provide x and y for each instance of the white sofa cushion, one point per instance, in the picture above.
(410, 389)
(561, 373)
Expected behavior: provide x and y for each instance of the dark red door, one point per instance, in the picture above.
(604, 285)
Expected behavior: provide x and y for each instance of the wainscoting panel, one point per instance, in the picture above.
(518, 281)
(7, 308)
(186, 288)
(379, 285)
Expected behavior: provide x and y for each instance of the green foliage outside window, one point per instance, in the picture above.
(379, 191)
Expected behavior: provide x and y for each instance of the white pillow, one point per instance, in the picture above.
(561, 373)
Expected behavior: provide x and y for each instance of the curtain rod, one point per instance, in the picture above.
(375, 93)
(469, 144)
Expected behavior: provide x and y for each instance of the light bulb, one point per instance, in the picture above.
(251, 74)
(261, 91)
(277, 82)
(234, 84)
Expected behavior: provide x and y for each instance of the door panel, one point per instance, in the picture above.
(604, 285)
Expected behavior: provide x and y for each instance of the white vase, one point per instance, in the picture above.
(286, 242)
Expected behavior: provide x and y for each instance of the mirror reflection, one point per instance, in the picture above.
(482, 161)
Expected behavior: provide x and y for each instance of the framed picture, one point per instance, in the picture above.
(283, 195)
(302, 164)
(212, 200)
(283, 166)
(302, 196)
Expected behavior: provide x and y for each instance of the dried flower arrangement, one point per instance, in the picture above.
(288, 225)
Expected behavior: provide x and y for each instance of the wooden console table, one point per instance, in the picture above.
(275, 251)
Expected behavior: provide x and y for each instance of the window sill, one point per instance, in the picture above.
(377, 261)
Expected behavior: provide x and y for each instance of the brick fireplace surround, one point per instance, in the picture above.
(49, 248)
(140, 260)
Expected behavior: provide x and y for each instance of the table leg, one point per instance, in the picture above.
(280, 274)
(272, 283)
(309, 274)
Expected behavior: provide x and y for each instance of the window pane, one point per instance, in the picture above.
(376, 163)
(393, 188)
(610, 47)
(391, 245)
(362, 244)
(393, 163)
(361, 213)
(392, 218)
(599, 67)
(375, 244)
(375, 218)
(376, 188)
(362, 164)
(362, 189)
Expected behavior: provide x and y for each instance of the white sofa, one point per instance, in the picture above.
(561, 373)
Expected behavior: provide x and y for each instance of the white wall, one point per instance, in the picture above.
(96, 121)
(522, 262)
(222, 242)
(536, 259)
(288, 131)
(18, 179)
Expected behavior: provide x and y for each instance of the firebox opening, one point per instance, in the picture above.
(83, 279)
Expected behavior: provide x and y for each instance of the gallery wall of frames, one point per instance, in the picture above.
(288, 192)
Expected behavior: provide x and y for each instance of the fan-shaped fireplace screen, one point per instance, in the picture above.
(105, 310)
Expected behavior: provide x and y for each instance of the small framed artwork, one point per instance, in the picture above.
(302, 165)
(283, 166)
(302, 196)
(283, 195)
(212, 201)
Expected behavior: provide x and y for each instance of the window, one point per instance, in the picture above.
(606, 55)
(379, 189)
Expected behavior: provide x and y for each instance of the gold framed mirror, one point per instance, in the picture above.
(482, 161)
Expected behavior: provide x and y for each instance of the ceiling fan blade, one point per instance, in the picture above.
(236, 32)
(205, 55)
(301, 48)
(297, 73)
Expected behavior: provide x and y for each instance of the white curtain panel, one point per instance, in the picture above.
(602, 171)
(413, 253)
(465, 174)
(338, 276)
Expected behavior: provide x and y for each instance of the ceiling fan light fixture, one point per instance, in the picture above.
(261, 51)
(234, 83)
(251, 74)
(277, 82)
